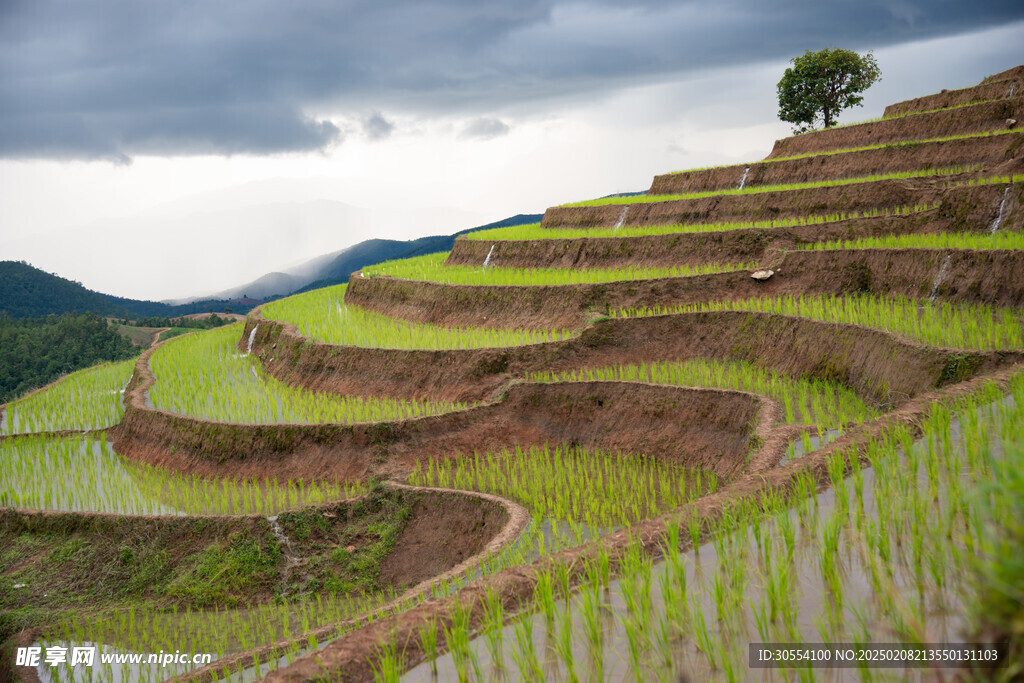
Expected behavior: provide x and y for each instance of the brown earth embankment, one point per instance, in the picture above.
(354, 656)
(1013, 73)
(995, 90)
(687, 426)
(971, 276)
(973, 118)
(752, 206)
(987, 151)
(962, 209)
(881, 368)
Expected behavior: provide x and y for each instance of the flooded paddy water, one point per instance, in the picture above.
(884, 556)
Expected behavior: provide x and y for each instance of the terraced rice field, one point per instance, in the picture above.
(700, 463)
(535, 231)
(899, 175)
(322, 315)
(432, 268)
(84, 400)
(932, 323)
(205, 376)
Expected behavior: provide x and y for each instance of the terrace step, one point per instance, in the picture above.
(601, 415)
(962, 209)
(994, 90)
(972, 276)
(1010, 74)
(974, 118)
(755, 206)
(798, 347)
(987, 150)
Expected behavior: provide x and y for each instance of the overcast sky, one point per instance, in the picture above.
(160, 149)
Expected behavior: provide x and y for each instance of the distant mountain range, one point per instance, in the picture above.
(28, 292)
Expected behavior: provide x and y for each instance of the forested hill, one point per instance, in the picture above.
(27, 292)
(34, 352)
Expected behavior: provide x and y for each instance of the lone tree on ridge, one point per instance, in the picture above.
(820, 84)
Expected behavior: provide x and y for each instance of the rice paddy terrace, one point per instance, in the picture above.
(773, 402)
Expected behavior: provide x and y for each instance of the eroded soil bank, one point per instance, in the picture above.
(692, 427)
(975, 118)
(965, 209)
(880, 368)
(987, 151)
(756, 206)
(990, 90)
(967, 276)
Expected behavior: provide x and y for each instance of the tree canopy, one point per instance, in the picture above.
(821, 84)
(34, 352)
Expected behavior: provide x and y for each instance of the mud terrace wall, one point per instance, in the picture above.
(962, 209)
(881, 368)
(975, 118)
(972, 276)
(990, 151)
(994, 90)
(694, 427)
(756, 206)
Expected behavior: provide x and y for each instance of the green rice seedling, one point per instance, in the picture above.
(83, 474)
(759, 189)
(593, 632)
(668, 628)
(635, 639)
(574, 483)
(202, 375)
(387, 667)
(987, 180)
(427, 633)
(536, 231)
(324, 316)
(431, 268)
(933, 323)
(563, 645)
(807, 401)
(544, 596)
(937, 240)
(694, 527)
(494, 622)
(84, 400)
(525, 654)
(457, 639)
(563, 575)
(704, 637)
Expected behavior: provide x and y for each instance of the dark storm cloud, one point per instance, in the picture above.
(376, 127)
(484, 129)
(114, 78)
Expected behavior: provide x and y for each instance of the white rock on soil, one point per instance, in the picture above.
(762, 274)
